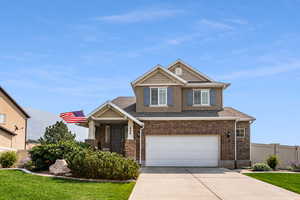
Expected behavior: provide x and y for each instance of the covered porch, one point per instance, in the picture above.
(114, 130)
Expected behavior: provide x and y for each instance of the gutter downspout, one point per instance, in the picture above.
(235, 146)
(250, 122)
(141, 131)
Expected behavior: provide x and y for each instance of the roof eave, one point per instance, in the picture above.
(14, 102)
(7, 131)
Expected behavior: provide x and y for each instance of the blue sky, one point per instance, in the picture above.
(63, 56)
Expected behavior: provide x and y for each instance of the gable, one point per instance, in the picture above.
(158, 75)
(114, 108)
(158, 78)
(9, 101)
(188, 73)
(107, 113)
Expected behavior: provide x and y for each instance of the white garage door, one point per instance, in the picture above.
(182, 151)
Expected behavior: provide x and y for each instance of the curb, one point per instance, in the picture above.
(71, 178)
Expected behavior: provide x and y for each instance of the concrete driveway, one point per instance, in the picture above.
(204, 183)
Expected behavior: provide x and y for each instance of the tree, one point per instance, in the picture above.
(57, 133)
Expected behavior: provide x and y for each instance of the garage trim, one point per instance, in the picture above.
(194, 135)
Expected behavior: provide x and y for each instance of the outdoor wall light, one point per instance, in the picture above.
(228, 134)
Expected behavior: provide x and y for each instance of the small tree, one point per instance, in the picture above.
(58, 132)
(273, 161)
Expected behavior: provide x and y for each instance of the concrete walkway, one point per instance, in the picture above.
(159, 183)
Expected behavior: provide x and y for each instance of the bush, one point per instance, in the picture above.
(273, 161)
(295, 165)
(29, 165)
(8, 159)
(102, 165)
(261, 167)
(43, 156)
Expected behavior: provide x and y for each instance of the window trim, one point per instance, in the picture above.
(239, 128)
(107, 134)
(201, 91)
(4, 118)
(208, 97)
(158, 95)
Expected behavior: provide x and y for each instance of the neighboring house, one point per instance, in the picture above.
(13, 123)
(176, 118)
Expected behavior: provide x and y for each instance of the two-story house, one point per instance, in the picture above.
(13, 123)
(176, 118)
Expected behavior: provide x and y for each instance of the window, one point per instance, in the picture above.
(178, 71)
(107, 134)
(240, 132)
(2, 118)
(197, 97)
(201, 97)
(205, 97)
(158, 96)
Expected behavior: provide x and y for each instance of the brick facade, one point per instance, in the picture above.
(225, 129)
(243, 143)
(130, 149)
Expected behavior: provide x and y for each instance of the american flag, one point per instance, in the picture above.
(73, 117)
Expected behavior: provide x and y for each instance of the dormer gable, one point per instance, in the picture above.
(187, 72)
(158, 76)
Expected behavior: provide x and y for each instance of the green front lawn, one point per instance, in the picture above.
(289, 181)
(17, 185)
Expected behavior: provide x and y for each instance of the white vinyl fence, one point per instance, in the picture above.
(6, 149)
(285, 153)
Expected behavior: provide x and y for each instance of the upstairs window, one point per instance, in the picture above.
(2, 118)
(201, 97)
(205, 97)
(158, 96)
(240, 132)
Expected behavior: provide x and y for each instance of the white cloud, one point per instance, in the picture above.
(237, 21)
(182, 39)
(62, 80)
(140, 15)
(263, 71)
(215, 24)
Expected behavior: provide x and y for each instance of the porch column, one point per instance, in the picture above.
(91, 130)
(130, 144)
(91, 137)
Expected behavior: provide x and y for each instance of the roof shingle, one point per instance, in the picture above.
(128, 104)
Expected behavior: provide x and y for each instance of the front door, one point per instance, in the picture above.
(117, 138)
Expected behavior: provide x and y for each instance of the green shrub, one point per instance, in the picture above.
(29, 165)
(8, 159)
(43, 156)
(261, 167)
(273, 161)
(295, 166)
(102, 165)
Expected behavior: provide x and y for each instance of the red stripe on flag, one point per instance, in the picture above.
(69, 117)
